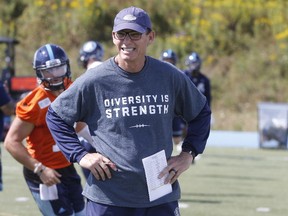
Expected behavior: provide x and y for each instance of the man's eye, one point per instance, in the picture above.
(134, 34)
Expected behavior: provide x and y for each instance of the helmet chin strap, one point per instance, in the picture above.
(53, 87)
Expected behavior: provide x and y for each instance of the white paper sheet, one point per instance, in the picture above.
(153, 165)
(48, 192)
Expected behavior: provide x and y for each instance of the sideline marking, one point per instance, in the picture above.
(263, 209)
(183, 205)
(21, 199)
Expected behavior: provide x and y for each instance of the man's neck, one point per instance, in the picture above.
(131, 67)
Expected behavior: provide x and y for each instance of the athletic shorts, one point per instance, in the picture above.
(70, 199)
(167, 209)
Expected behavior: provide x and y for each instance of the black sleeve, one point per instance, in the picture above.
(198, 131)
(65, 137)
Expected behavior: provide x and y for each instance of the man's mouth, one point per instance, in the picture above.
(127, 49)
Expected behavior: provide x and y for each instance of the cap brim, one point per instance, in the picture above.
(132, 26)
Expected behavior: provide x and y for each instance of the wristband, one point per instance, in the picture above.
(39, 168)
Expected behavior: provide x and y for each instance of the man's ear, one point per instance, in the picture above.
(151, 37)
(113, 37)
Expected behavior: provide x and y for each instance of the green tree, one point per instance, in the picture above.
(10, 12)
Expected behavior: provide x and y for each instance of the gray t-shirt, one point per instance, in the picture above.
(129, 117)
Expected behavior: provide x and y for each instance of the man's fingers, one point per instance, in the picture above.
(95, 173)
(101, 172)
(172, 177)
(106, 170)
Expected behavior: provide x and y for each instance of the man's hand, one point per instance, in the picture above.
(176, 165)
(98, 165)
(50, 176)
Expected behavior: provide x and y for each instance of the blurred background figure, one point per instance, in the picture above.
(7, 108)
(193, 63)
(90, 56)
(178, 124)
(169, 56)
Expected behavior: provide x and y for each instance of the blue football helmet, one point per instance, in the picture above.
(193, 62)
(90, 50)
(170, 56)
(52, 67)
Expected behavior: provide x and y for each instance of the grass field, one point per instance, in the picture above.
(224, 182)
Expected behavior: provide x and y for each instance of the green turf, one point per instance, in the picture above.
(224, 182)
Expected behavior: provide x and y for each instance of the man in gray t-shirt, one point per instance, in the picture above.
(129, 102)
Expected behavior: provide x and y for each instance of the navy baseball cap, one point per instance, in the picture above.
(132, 18)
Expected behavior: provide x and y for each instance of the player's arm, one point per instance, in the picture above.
(18, 131)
